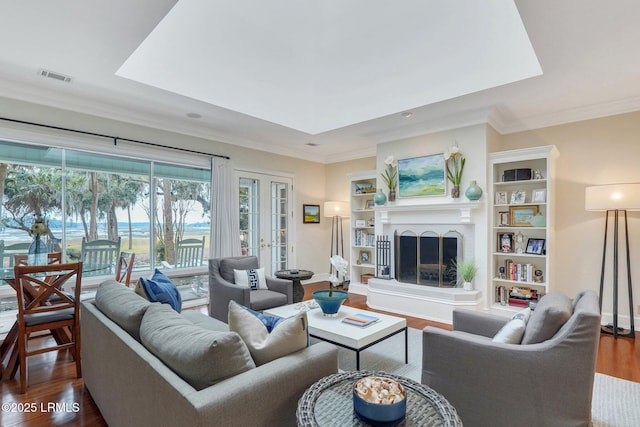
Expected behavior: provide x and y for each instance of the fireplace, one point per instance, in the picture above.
(427, 258)
(413, 268)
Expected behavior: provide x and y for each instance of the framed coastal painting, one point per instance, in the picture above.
(422, 176)
(311, 214)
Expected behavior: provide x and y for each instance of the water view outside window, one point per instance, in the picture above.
(148, 206)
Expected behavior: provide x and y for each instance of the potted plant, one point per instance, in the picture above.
(454, 165)
(389, 177)
(466, 270)
(330, 300)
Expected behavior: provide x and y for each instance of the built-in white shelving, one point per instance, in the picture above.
(522, 222)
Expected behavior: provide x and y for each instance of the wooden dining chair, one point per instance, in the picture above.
(43, 305)
(125, 266)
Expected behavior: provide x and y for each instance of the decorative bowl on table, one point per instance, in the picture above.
(379, 401)
(330, 301)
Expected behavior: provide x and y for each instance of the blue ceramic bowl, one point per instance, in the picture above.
(330, 304)
(378, 414)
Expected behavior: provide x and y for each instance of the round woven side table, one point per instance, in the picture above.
(329, 402)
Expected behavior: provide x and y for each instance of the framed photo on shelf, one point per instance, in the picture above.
(505, 242)
(518, 197)
(503, 218)
(535, 246)
(501, 197)
(369, 204)
(360, 223)
(311, 214)
(365, 257)
(521, 216)
(539, 196)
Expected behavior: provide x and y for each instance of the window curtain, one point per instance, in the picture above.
(226, 221)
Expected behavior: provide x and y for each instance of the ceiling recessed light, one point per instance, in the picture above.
(194, 115)
(407, 114)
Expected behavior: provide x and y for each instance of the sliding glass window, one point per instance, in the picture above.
(152, 209)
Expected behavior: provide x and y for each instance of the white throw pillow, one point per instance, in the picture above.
(253, 278)
(287, 335)
(513, 331)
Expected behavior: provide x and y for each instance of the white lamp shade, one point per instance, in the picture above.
(332, 209)
(612, 197)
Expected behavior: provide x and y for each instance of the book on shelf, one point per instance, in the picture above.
(519, 272)
(360, 319)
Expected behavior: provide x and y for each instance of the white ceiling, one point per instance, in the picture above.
(352, 65)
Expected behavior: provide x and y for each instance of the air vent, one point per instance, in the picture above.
(54, 75)
(311, 144)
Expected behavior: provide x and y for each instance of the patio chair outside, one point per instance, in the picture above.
(99, 257)
(9, 251)
(190, 253)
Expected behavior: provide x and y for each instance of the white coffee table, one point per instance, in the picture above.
(356, 338)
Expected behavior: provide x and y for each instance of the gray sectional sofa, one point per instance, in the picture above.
(133, 387)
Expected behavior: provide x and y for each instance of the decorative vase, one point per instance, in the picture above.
(392, 195)
(380, 198)
(330, 301)
(467, 286)
(474, 192)
(37, 252)
(455, 191)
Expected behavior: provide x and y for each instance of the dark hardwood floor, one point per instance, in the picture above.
(52, 379)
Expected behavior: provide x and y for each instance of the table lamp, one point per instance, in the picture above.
(615, 199)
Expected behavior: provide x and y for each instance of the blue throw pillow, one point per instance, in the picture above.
(161, 289)
(269, 321)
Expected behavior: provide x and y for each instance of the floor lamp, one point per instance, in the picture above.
(336, 211)
(614, 200)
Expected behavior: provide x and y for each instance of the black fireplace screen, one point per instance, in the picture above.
(427, 259)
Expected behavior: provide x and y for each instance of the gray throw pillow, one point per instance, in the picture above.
(551, 312)
(122, 305)
(227, 265)
(200, 356)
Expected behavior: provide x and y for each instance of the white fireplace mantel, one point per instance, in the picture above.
(448, 205)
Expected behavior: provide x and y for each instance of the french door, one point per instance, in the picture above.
(265, 218)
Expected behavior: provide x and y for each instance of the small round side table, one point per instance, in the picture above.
(329, 402)
(297, 276)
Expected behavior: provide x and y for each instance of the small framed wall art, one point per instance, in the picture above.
(310, 214)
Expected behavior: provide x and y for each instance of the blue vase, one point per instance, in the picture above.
(380, 198)
(330, 301)
(474, 192)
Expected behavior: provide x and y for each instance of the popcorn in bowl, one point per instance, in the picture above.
(380, 390)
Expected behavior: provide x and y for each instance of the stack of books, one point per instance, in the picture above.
(360, 319)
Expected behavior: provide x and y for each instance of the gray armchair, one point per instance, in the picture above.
(222, 288)
(538, 384)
